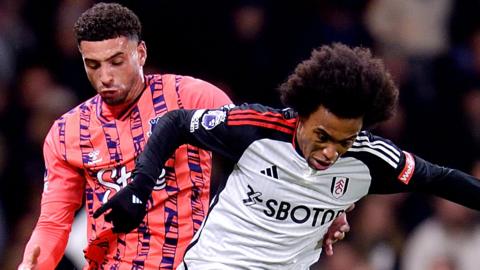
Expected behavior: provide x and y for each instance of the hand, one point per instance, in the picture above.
(30, 260)
(98, 248)
(128, 208)
(336, 231)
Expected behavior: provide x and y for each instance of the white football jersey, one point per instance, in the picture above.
(273, 210)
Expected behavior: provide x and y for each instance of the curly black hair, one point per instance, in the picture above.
(105, 21)
(349, 82)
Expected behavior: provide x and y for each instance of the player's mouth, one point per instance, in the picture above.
(107, 93)
(319, 165)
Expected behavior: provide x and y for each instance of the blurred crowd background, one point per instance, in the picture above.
(247, 48)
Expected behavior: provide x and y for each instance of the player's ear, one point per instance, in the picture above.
(142, 52)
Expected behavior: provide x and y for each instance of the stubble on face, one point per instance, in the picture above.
(114, 68)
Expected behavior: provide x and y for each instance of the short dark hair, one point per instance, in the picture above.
(349, 82)
(105, 21)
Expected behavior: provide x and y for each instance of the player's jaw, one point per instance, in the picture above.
(115, 68)
(323, 137)
(120, 92)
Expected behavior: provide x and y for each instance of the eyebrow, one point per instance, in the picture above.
(109, 58)
(330, 137)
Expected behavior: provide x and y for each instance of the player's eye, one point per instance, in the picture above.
(346, 144)
(322, 138)
(92, 65)
(117, 62)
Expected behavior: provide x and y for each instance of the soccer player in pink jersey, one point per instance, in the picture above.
(91, 150)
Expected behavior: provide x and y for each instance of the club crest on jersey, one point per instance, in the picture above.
(93, 157)
(153, 122)
(339, 186)
(212, 119)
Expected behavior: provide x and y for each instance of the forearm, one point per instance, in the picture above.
(128, 206)
(51, 234)
(447, 183)
(458, 187)
(52, 247)
(169, 133)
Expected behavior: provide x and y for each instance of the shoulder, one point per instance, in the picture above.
(189, 81)
(197, 93)
(283, 120)
(73, 117)
(89, 105)
(374, 148)
(182, 83)
(286, 114)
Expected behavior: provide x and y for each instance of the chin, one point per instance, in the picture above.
(112, 101)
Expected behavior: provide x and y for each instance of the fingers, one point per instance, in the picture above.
(101, 210)
(337, 231)
(340, 233)
(344, 228)
(338, 236)
(341, 222)
(332, 239)
(120, 229)
(120, 220)
(109, 217)
(328, 248)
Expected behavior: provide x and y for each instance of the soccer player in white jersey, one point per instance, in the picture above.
(295, 169)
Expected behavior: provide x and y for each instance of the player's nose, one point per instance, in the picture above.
(105, 76)
(330, 152)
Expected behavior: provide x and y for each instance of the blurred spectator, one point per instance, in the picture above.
(476, 168)
(250, 54)
(321, 22)
(44, 100)
(67, 64)
(3, 220)
(16, 38)
(376, 232)
(3, 231)
(416, 29)
(471, 106)
(40, 100)
(464, 20)
(458, 82)
(346, 257)
(450, 239)
(335, 21)
(7, 61)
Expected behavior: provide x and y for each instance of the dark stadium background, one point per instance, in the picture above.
(247, 48)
